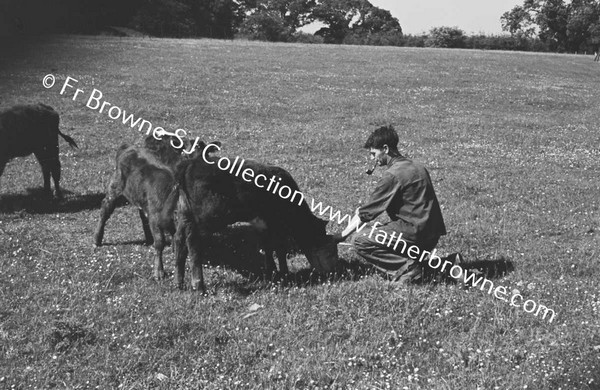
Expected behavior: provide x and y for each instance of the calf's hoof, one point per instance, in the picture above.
(98, 238)
(198, 286)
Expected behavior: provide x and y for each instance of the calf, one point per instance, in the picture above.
(144, 176)
(211, 198)
(26, 129)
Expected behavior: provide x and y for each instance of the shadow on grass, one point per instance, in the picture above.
(238, 249)
(486, 268)
(36, 202)
(492, 268)
(141, 241)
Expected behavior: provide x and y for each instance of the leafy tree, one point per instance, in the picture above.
(266, 26)
(414, 40)
(295, 13)
(379, 20)
(560, 25)
(215, 18)
(451, 37)
(594, 40)
(179, 18)
(339, 16)
(276, 20)
(164, 18)
(357, 22)
(552, 21)
(518, 21)
(583, 24)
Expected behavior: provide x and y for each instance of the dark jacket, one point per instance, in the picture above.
(406, 193)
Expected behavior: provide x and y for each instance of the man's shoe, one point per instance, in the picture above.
(457, 259)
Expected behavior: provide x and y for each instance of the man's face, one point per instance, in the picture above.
(379, 155)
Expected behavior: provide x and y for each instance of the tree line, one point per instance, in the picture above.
(536, 25)
(562, 26)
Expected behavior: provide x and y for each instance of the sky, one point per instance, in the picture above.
(471, 16)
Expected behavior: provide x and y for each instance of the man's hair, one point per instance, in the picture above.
(385, 135)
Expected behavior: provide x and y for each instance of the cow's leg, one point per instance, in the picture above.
(279, 243)
(282, 258)
(270, 267)
(55, 170)
(181, 250)
(146, 227)
(195, 237)
(115, 190)
(44, 158)
(159, 246)
(273, 241)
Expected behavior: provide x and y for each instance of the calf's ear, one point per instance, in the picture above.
(213, 149)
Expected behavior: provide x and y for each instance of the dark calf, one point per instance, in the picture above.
(26, 129)
(144, 176)
(210, 199)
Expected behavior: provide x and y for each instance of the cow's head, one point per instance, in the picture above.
(162, 149)
(322, 253)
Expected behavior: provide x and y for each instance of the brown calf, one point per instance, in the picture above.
(144, 176)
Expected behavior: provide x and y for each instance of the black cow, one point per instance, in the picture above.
(210, 199)
(26, 129)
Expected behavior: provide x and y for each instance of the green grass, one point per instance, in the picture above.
(510, 140)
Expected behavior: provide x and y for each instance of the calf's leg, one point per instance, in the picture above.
(115, 190)
(159, 246)
(194, 239)
(181, 250)
(146, 225)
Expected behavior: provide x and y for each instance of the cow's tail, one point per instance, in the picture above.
(70, 140)
(170, 204)
(180, 175)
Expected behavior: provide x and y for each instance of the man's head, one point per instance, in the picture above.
(383, 145)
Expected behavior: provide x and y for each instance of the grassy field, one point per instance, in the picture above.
(510, 140)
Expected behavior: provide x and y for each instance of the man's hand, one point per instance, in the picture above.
(352, 226)
(337, 237)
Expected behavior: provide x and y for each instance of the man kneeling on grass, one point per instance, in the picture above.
(402, 247)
